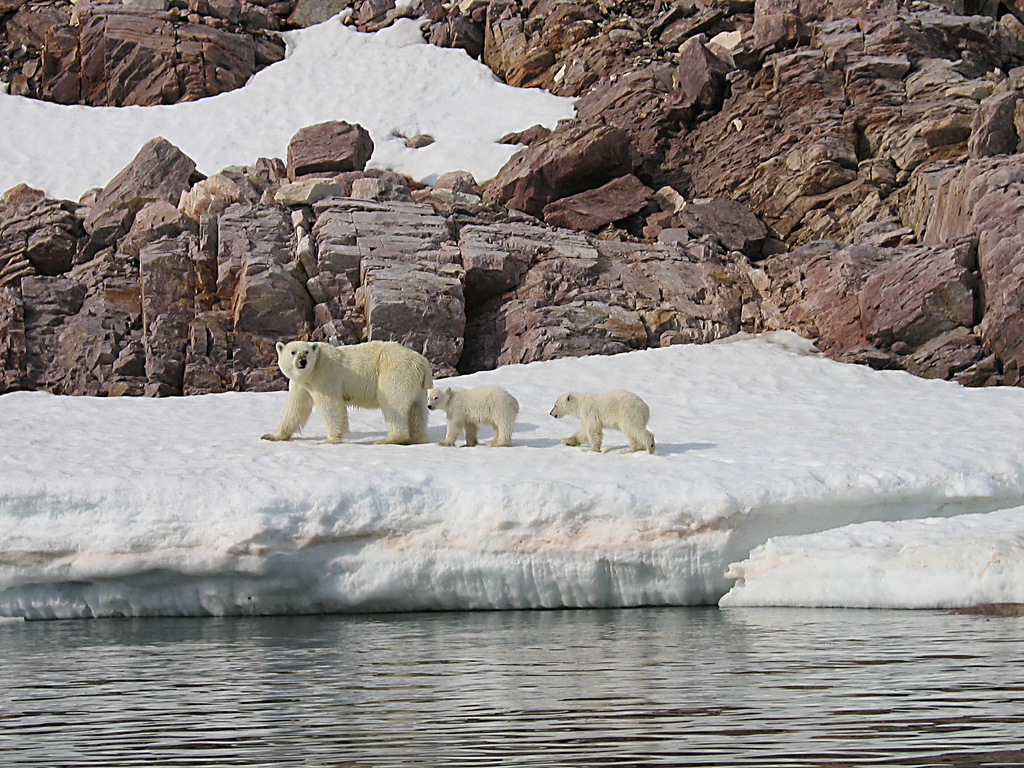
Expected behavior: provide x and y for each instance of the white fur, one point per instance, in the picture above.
(619, 410)
(377, 374)
(466, 408)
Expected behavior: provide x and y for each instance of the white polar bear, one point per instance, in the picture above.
(468, 407)
(376, 374)
(619, 410)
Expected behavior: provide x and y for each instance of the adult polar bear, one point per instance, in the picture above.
(375, 374)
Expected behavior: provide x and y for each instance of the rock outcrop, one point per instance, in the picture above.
(848, 170)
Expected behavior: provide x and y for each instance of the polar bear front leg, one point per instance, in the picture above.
(335, 416)
(471, 430)
(297, 410)
(452, 434)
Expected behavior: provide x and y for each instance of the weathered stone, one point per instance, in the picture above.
(13, 352)
(307, 191)
(209, 196)
(879, 305)
(778, 24)
(984, 197)
(567, 162)
(168, 285)
(458, 32)
(420, 305)
(248, 232)
(160, 171)
(994, 130)
(606, 298)
(595, 208)
(702, 78)
(326, 148)
(155, 221)
(731, 224)
(310, 12)
(496, 257)
(37, 237)
(271, 301)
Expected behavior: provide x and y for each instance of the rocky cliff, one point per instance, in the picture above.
(850, 171)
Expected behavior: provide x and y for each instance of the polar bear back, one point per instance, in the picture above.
(619, 409)
(480, 405)
(369, 370)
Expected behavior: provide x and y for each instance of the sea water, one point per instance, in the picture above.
(685, 686)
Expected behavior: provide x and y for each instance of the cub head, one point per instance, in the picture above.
(564, 405)
(438, 398)
(297, 358)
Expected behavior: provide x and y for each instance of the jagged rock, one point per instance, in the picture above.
(587, 296)
(251, 232)
(984, 197)
(529, 136)
(879, 305)
(155, 221)
(328, 148)
(595, 208)
(209, 196)
(567, 162)
(37, 236)
(160, 171)
(731, 224)
(496, 257)
(309, 12)
(702, 78)
(458, 32)
(13, 351)
(115, 55)
(778, 24)
(271, 301)
(418, 304)
(994, 130)
(168, 285)
(307, 191)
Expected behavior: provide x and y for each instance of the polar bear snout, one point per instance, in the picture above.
(556, 415)
(300, 363)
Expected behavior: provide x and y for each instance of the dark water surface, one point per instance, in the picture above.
(690, 686)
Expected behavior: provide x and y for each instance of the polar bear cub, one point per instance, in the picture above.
(621, 410)
(376, 374)
(466, 408)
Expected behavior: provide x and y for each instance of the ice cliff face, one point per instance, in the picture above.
(174, 506)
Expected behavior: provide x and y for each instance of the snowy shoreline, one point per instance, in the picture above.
(135, 507)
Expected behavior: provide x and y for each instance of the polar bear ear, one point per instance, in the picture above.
(280, 347)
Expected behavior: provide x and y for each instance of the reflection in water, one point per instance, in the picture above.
(698, 686)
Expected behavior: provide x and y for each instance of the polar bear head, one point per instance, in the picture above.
(438, 397)
(297, 359)
(565, 405)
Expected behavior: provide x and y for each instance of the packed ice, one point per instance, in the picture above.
(780, 477)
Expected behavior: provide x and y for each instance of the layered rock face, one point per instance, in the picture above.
(850, 171)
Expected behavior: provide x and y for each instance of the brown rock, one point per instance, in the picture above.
(595, 208)
(37, 236)
(160, 171)
(155, 221)
(168, 285)
(984, 197)
(567, 162)
(418, 304)
(731, 224)
(327, 148)
(701, 76)
(994, 130)
(13, 351)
